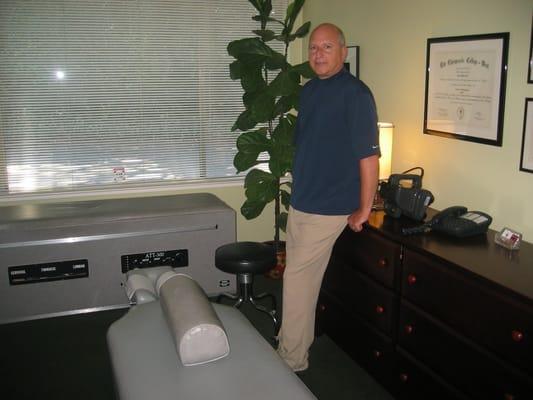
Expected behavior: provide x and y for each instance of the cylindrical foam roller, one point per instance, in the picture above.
(195, 327)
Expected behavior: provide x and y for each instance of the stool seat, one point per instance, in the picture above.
(245, 257)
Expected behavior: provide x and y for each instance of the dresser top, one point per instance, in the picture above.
(480, 255)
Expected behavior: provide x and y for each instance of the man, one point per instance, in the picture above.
(335, 177)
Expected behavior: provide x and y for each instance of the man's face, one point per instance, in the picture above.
(326, 55)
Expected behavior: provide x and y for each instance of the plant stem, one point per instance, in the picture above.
(276, 221)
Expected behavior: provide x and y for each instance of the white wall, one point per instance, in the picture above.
(393, 37)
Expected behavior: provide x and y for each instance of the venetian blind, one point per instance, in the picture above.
(110, 92)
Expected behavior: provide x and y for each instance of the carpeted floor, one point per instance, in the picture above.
(66, 358)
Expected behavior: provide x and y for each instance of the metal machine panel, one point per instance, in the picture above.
(47, 245)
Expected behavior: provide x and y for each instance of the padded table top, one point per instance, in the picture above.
(146, 364)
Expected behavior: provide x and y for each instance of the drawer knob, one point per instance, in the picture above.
(409, 329)
(404, 377)
(377, 354)
(517, 336)
(411, 279)
(382, 262)
(322, 307)
(380, 309)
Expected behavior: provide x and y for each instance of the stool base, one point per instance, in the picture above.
(245, 295)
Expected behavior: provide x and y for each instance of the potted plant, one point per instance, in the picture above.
(271, 92)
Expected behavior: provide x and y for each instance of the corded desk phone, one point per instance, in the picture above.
(455, 221)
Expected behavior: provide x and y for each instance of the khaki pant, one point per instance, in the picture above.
(309, 241)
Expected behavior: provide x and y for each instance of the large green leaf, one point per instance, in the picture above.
(283, 105)
(235, 69)
(304, 69)
(283, 134)
(265, 34)
(281, 155)
(295, 99)
(252, 209)
(282, 149)
(303, 30)
(287, 103)
(262, 106)
(258, 4)
(253, 142)
(243, 161)
(249, 50)
(267, 7)
(270, 19)
(287, 37)
(252, 79)
(264, 7)
(281, 221)
(276, 61)
(248, 98)
(293, 9)
(260, 186)
(244, 122)
(284, 84)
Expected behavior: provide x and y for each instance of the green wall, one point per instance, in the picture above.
(392, 36)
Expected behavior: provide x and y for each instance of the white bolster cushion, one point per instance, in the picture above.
(195, 327)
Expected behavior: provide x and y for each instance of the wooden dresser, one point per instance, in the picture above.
(430, 316)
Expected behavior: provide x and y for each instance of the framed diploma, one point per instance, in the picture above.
(465, 87)
(526, 159)
(352, 60)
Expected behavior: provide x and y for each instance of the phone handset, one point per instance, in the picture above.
(454, 211)
(455, 221)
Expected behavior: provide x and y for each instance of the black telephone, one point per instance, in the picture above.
(455, 221)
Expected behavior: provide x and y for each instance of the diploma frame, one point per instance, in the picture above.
(465, 87)
(352, 60)
(526, 158)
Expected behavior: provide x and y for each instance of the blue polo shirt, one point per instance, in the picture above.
(336, 127)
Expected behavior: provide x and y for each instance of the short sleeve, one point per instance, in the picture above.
(363, 123)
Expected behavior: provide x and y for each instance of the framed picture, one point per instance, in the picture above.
(465, 87)
(352, 60)
(526, 159)
(530, 69)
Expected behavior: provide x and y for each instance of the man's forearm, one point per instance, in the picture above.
(369, 170)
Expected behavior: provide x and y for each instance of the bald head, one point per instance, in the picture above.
(327, 50)
(330, 26)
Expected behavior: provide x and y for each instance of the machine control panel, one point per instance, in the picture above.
(46, 272)
(170, 258)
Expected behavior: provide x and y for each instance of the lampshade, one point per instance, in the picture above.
(385, 145)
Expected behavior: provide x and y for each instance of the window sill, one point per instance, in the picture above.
(125, 191)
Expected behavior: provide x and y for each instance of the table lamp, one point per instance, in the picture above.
(385, 161)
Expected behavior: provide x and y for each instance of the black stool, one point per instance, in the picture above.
(245, 259)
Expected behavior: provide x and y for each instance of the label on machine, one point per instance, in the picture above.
(170, 258)
(46, 272)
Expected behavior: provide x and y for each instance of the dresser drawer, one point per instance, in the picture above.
(473, 370)
(367, 346)
(412, 381)
(361, 295)
(370, 253)
(478, 311)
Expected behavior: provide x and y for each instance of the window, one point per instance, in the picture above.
(117, 92)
